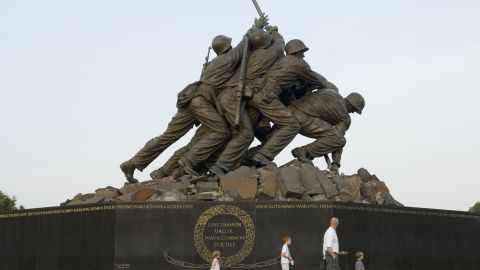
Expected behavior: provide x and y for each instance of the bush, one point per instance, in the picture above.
(475, 208)
(8, 203)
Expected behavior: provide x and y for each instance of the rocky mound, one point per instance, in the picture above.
(292, 181)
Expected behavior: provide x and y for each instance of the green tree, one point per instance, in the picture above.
(8, 203)
(475, 208)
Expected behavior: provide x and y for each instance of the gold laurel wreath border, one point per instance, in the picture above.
(223, 209)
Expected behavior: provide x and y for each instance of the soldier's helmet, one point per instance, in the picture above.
(357, 101)
(221, 44)
(295, 46)
(259, 39)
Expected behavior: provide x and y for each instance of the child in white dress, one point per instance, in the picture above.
(215, 262)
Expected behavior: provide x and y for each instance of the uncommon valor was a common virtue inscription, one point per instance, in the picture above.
(227, 228)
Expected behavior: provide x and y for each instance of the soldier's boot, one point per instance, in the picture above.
(157, 174)
(216, 171)
(128, 168)
(263, 161)
(177, 173)
(187, 166)
(247, 159)
(301, 154)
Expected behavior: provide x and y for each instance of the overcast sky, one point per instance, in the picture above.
(84, 84)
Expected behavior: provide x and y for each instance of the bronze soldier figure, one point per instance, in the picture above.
(267, 48)
(283, 74)
(324, 116)
(195, 106)
(241, 92)
(173, 168)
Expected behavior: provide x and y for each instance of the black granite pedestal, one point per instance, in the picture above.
(181, 235)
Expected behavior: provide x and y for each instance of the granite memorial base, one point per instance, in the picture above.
(182, 235)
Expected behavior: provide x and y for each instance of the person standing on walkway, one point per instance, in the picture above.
(359, 263)
(331, 249)
(285, 257)
(215, 262)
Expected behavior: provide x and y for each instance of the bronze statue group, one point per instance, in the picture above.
(262, 88)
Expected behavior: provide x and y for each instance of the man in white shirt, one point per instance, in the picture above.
(330, 246)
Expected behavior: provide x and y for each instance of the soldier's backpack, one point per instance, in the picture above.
(184, 97)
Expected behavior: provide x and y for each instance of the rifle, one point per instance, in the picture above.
(206, 61)
(243, 69)
(241, 83)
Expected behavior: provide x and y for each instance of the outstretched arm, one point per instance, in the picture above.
(314, 79)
